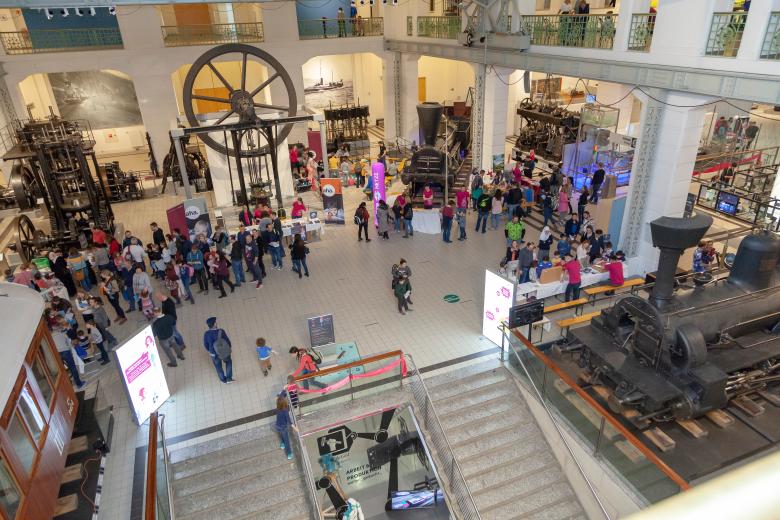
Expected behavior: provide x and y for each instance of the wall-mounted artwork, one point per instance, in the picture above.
(104, 98)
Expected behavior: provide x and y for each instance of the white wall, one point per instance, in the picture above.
(445, 80)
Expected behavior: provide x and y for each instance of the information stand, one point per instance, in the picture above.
(321, 330)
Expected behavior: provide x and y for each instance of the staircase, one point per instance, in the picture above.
(241, 476)
(508, 466)
(462, 177)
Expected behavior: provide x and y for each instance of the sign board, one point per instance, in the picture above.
(197, 215)
(321, 330)
(499, 297)
(690, 202)
(526, 314)
(377, 186)
(332, 201)
(141, 370)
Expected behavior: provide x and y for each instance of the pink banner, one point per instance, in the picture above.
(378, 183)
(338, 384)
(138, 367)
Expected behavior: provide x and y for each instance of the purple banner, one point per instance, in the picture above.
(378, 183)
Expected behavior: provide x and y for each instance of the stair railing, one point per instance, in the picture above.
(543, 401)
(458, 489)
(304, 462)
(158, 496)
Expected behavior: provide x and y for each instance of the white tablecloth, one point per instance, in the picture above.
(312, 225)
(427, 221)
(524, 290)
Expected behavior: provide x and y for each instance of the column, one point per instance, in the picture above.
(157, 103)
(140, 27)
(7, 114)
(400, 96)
(755, 29)
(517, 93)
(681, 28)
(478, 116)
(494, 116)
(661, 172)
(617, 96)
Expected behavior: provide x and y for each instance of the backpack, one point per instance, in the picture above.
(315, 356)
(221, 346)
(483, 203)
(358, 220)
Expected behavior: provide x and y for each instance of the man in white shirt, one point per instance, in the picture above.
(137, 253)
(565, 7)
(62, 342)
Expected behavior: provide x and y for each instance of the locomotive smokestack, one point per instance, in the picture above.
(429, 115)
(673, 236)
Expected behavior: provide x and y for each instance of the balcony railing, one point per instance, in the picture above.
(334, 28)
(641, 34)
(771, 48)
(209, 34)
(438, 26)
(725, 34)
(590, 31)
(61, 40)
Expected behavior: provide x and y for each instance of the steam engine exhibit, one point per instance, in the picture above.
(687, 350)
(547, 128)
(50, 165)
(428, 164)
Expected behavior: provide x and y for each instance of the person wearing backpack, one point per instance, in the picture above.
(307, 364)
(217, 344)
(408, 214)
(483, 207)
(361, 219)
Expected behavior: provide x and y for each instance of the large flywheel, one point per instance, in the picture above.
(247, 101)
(30, 242)
(25, 186)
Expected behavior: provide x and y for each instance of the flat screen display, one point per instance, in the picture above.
(728, 203)
(415, 499)
(142, 373)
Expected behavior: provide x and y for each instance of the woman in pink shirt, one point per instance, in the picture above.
(572, 268)
(563, 204)
(298, 208)
(427, 197)
(462, 198)
(306, 365)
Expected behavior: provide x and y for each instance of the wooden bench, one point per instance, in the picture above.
(568, 322)
(601, 289)
(566, 305)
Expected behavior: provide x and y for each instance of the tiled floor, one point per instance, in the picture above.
(349, 279)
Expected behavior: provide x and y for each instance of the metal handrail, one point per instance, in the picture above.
(311, 490)
(201, 34)
(558, 429)
(471, 510)
(150, 494)
(167, 461)
(644, 450)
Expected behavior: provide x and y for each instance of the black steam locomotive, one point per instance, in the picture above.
(428, 165)
(685, 351)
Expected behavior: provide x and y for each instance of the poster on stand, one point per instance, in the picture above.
(142, 373)
(378, 186)
(197, 215)
(321, 330)
(332, 201)
(499, 297)
(176, 218)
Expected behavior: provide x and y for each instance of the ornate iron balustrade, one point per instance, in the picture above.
(61, 40)
(346, 28)
(210, 34)
(438, 26)
(725, 34)
(591, 31)
(641, 34)
(770, 50)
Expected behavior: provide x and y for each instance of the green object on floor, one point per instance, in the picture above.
(451, 298)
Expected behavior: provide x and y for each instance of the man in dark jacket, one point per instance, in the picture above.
(250, 257)
(572, 227)
(514, 199)
(158, 236)
(168, 307)
(596, 182)
(163, 328)
(210, 338)
(483, 207)
(236, 258)
(408, 214)
(273, 243)
(524, 260)
(261, 248)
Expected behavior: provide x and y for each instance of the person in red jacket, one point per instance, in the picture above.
(306, 365)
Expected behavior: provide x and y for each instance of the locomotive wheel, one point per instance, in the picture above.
(29, 241)
(25, 187)
(240, 95)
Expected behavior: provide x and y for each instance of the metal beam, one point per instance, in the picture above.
(759, 88)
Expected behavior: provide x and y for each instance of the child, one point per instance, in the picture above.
(97, 339)
(282, 425)
(264, 353)
(460, 216)
(291, 389)
(81, 344)
(146, 304)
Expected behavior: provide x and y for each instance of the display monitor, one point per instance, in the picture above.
(590, 98)
(142, 373)
(728, 203)
(415, 499)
